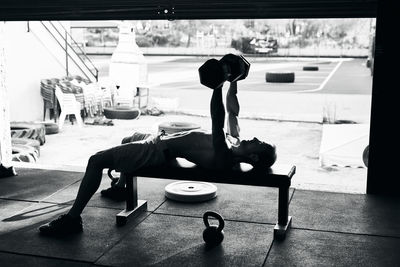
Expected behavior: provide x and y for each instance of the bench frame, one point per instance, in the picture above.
(279, 177)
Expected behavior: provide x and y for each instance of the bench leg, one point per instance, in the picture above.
(133, 206)
(284, 220)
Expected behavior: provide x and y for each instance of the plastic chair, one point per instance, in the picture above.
(106, 98)
(89, 97)
(106, 87)
(69, 105)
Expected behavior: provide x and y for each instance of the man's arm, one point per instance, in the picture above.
(233, 108)
(218, 134)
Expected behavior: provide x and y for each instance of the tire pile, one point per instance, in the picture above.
(27, 137)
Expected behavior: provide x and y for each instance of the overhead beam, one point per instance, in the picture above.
(184, 9)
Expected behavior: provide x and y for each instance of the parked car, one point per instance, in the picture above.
(252, 45)
(265, 46)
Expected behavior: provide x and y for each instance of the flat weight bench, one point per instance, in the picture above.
(277, 176)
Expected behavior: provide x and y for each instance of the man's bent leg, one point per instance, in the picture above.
(91, 180)
(135, 137)
(72, 222)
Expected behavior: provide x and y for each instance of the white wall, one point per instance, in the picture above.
(30, 56)
(5, 135)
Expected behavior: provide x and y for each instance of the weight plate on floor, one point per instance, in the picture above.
(187, 191)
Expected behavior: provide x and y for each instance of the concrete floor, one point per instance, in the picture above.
(329, 229)
(298, 143)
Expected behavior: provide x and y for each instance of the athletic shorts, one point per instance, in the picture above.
(134, 155)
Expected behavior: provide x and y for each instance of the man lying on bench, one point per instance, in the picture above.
(210, 151)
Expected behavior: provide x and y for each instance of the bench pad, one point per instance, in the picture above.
(277, 176)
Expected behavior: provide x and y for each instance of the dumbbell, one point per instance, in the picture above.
(213, 73)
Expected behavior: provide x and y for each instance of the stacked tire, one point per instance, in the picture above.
(35, 131)
(17, 142)
(24, 153)
(26, 139)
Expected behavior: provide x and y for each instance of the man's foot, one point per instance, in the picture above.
(115, 192)
(62, 226)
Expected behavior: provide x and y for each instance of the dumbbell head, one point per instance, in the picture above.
(237, 67)
(212, 74)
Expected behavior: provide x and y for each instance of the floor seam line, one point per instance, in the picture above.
(44, 257)
(149, 213)
(268, 252)
(291, 197)
(159, 206)
(346, 233)
(19, 200)
(70, 204)
(200, 216)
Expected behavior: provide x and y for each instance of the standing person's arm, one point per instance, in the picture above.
(233, 108)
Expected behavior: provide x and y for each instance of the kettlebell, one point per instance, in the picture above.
(213, 234)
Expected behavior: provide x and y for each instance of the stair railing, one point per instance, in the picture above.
(64, 37)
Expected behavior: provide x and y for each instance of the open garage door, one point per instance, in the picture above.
(384, 103)
(184, 9)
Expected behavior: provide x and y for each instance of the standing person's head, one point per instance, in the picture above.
(260, 155)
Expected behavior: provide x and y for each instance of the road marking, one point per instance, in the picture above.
(310, 77)
(269, 84)
(315, 73)
(292, 84)
(324, 82)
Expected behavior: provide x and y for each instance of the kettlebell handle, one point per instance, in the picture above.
(216, 216)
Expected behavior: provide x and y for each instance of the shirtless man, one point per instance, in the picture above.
(211, 151)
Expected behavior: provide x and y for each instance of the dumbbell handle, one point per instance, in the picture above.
(227, 70)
